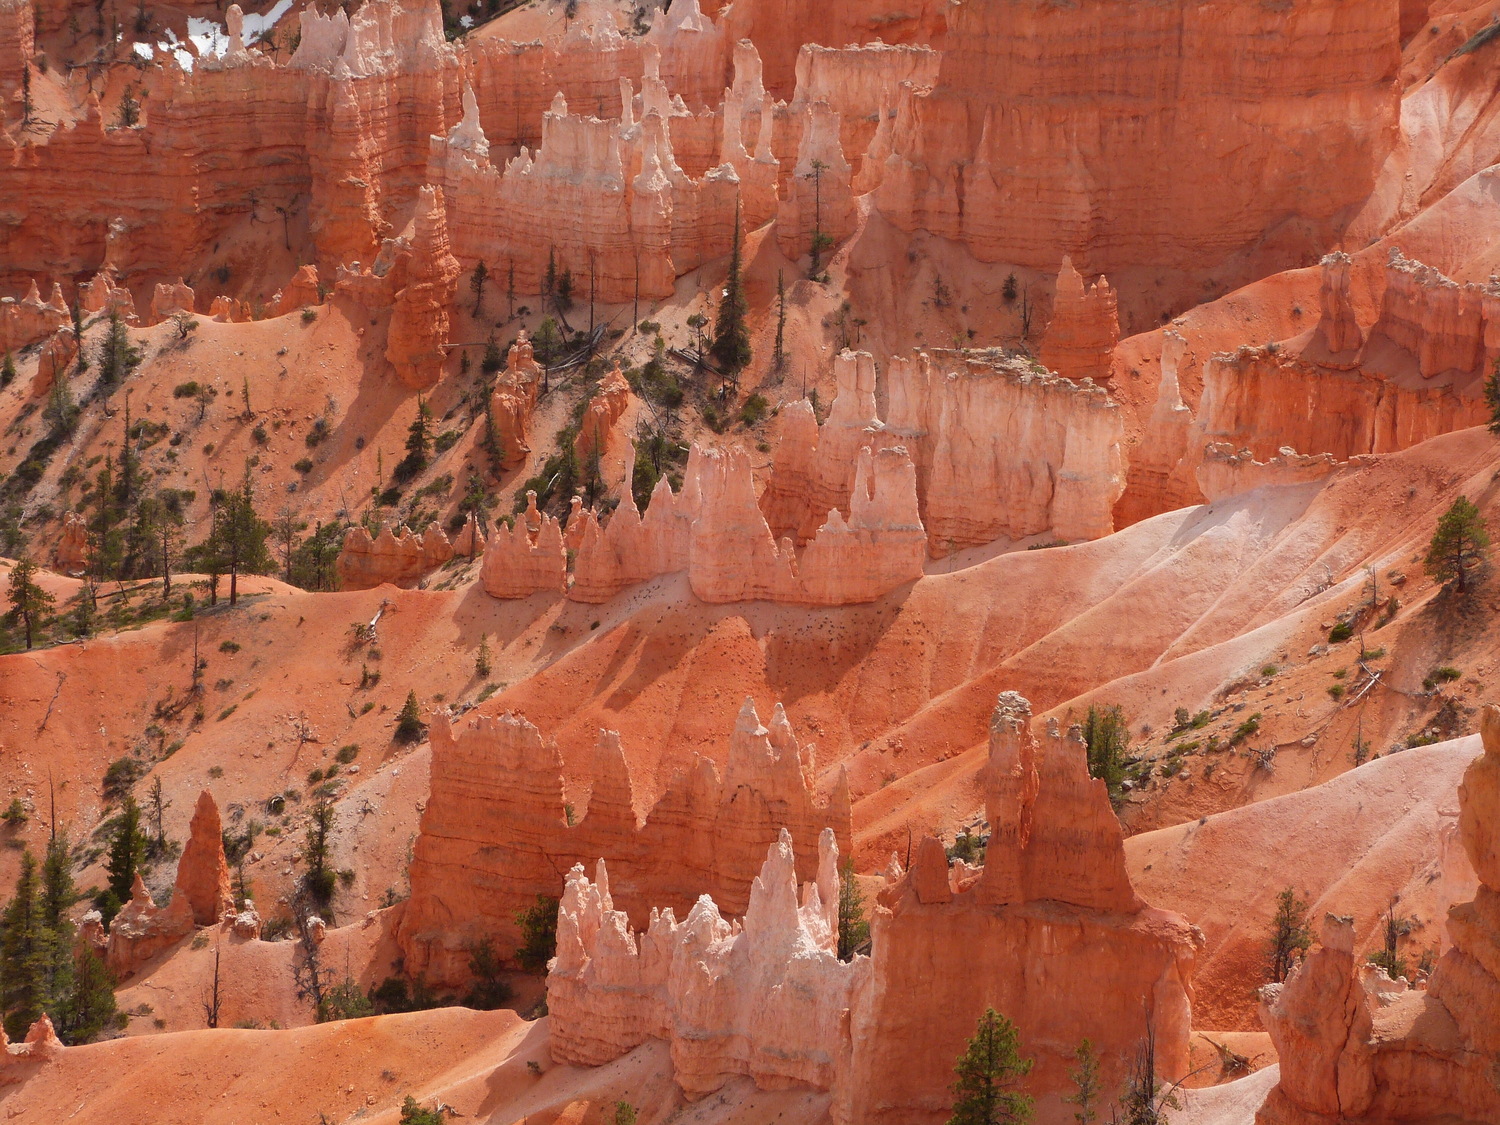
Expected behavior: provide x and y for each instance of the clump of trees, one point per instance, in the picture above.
(1108, 741)
(538, 924)
(41, 971)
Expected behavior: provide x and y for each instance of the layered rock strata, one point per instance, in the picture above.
(1357, 1048)
(497, 831)
(398, 556)
(1085, 327)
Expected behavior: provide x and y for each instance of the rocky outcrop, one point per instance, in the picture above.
(1084, 329)
(819, 197)
(513, 400)
(142, 929)
(398, 556)
(1338, 329)
(56, 360)
(101, 295)
(1357, 1048)
(202, 871)
(17, 41)
(1005, 448)
(302, 291)
(72, 549)
(606, 406)
(171, 298)
(425, 289)
(497, 831)
(1226, 471)
(527, 557)
(1051, 934)
(1428, 318)
(30, 319)
(765, 998)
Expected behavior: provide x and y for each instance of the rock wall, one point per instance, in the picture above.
(1446, 328)
(525, 558)
(1005, 448)
(496, 832)
(1029, 141)
(1357, 1048)
(765, 998)
(425, 285)
(30, 319)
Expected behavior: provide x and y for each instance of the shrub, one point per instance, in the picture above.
(754, 410)
(1336, 690)
(15, 813)
(303, 466)
(1269, 670)
(1446, 674)
(348, 753)
(1371, 653)
(229, 646)
(309, 315)
(1340, 632)
(186, 390)
(1246, 729)
(490, 990)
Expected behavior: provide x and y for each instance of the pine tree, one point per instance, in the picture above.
(482, 658)
(854, 929)
(1458, 545)
(1290, 937)
(476, 283)
(778, 352)
(57, 896)
(731, 334)
(320, 879)
(90, 1007)
(1492, 398)
(987, 1073)
(117, 358)
(126, 853)
(61, 411)
(1086, 1084)
(418, 443)
(7, 370)
(83, 361)
(237, 543)
(23, 969)
(1108, 739)
(29, 603)
(409, 721)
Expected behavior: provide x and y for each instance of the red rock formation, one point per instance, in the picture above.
(819, 198)
(606, 407)
(102, 295)
(1358, 1049)
(398, 556)
(513, 400)
(1338, 329)
(17, 41)
(419, 317)
(202, 871)
(142, 929)
(72, 549)
(169, 299)
(1084, 329)
(56, 360)
(302, 291)
(496, 831)
(519, 561)
(31, 319)
(1226, 471)
(766, 1000)
(1429, 318)
(1051, 934)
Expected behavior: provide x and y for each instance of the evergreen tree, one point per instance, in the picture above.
(731, 334)
(1291, 935)
(29, 603)
(90, 1007)
(117, 358)
(409, 721)
(7, 370)
(494, 358)
(127, 851)
(1492, 398)
(564, 290)
(1108, 739)
(23, 967)
(988, 1072)
(130, 109)
(83, 361)
(418, 443)
(237, 543)
(1086, 1084)
(778, 352)
(480, 275)
(549, 281)
(321, 878)
(58, 895)
(108, 544)
(1458, 545)
(854, 928)
(61, 412)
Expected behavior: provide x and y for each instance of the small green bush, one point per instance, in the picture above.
(1340, 632)
(1269, 670)
(1336, 690)
(1372, 654)
(348, 753)
(229, 646)
(186, 390)
(1446, 674)
(303, 466)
